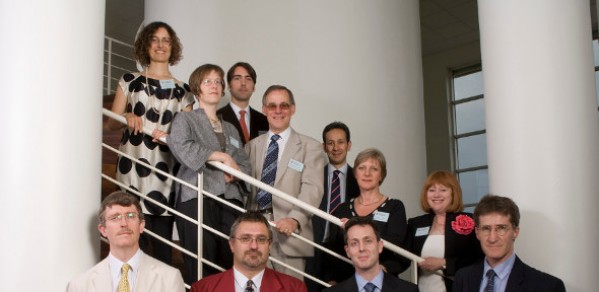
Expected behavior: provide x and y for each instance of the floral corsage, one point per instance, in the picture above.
(463, 225)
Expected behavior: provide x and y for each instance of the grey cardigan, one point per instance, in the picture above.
(191, 141)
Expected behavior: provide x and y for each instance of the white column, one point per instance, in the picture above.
(542, 130)
(50, 151)
(354, 61)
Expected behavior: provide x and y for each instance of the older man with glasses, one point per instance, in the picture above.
(497, 222)
(126, 268)
(250, 241)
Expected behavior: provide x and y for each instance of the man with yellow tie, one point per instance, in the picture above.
(126, 268)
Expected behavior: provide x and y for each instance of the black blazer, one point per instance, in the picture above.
(390, 284)
(351, 191)
(258, 122)
(522, 278)
(460, 250)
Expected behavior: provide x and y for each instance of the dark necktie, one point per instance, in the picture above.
(249, 286)
(335, 192)
(490, 281)
(369, 287)
(244, 127)
(269, 172)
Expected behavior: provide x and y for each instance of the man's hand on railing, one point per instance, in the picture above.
(287, 226)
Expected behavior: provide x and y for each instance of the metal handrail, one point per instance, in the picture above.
(330, 218)
(109, 63)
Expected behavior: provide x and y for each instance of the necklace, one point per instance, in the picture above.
(369, 204)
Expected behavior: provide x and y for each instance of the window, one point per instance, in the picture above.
(469, 134)
(596, 57)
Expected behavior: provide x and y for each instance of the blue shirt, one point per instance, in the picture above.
(377, 281)
(502, 273)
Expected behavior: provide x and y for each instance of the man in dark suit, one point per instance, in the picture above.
(292, 163)
(250, 241)
(339, 186)
(363, 245)
(497, 220)
(242, 79)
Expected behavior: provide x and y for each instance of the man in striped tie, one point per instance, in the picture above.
(290, 162)
(339, 186)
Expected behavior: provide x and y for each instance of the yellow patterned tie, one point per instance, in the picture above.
(124, 282)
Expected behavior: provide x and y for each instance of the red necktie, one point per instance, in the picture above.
(244, 127)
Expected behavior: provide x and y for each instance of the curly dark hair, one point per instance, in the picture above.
(144, 41)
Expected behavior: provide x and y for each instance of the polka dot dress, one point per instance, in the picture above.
(157, 107)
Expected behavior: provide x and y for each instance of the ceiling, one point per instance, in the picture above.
(444, 24)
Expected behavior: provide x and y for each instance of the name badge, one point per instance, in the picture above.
(296, 165)
(234, 142)
(381, 216)
(166, 84)
(422, 231)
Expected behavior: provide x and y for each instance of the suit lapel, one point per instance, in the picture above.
(259, 153)
(101, 279)
(291, 147)
(146, 276)
(516, 277)
(204, 129)
(270, 282)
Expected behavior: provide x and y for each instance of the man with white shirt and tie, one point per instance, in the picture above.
(339, 186)
(292, 163)
(126, 268)
(249, 122)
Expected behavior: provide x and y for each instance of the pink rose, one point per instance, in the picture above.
(463, 225)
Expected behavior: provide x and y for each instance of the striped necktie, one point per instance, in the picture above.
(269, 172)
(335, 192)
(490, 281)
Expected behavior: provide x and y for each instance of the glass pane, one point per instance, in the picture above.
(468, 85)
(472, 151)
(470, 116)
(596, 52)
(475, 184)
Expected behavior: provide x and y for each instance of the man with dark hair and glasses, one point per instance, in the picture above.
(363, 245)
(249, 240)
(497, 221)
(126, 268)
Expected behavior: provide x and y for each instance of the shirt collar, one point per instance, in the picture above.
(503, 269)
(284, 135)
(116, 264)
(242, 280)
(378, 280)
(236, 108)
(342, 169)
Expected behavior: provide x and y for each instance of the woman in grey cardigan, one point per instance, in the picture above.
(197, 137)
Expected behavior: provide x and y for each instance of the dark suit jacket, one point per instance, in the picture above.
(390, 284)
(258, 122)
(522, 278)
(460, 250)
(351, 191)
(272, 281)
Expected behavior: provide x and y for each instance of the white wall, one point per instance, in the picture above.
(354, 61)
(51, 96)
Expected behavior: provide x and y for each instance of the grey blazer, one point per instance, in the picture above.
(307, 185)
(153, 275)
(191, 141)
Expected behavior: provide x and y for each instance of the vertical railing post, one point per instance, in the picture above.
(108, 67)
(414, 273)
(200, 222)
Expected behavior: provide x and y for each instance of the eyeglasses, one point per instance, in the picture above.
(261, 240)
(157, 41)
(130, 217)
(355, 243)
(207, 82)
(500, 230)
(282, 106)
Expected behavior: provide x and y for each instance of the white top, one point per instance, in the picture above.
(434, 246)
